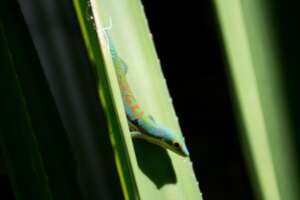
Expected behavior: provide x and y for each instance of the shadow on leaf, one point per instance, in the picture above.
(155, 163)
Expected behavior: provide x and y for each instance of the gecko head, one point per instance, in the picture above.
(173, 141)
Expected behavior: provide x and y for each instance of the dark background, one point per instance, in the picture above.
(189, 45)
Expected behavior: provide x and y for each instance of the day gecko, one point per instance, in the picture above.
(141, 125)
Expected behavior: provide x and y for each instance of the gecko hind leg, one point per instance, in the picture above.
(134, 130)
(135, 134)
(132, 127)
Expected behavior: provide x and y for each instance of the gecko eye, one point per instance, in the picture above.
(176, 144)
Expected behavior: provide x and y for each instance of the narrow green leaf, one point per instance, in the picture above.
(146, 171)
(86, 170)
(263, 105)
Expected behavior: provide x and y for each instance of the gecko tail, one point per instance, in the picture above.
(108, 39)
(109, 25)
(106, 30)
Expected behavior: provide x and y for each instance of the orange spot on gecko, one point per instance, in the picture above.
(136, 106)
(128, 99)
(139, 115)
